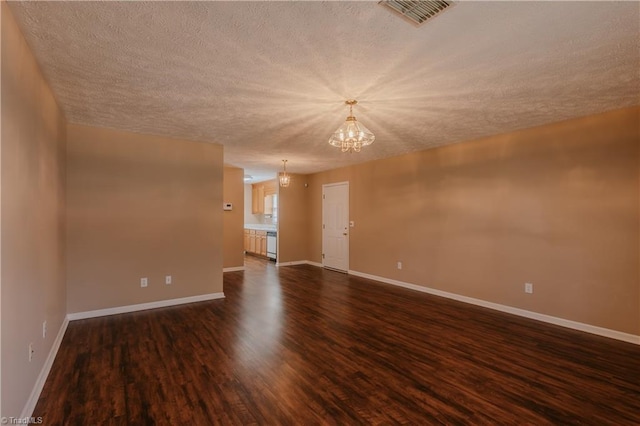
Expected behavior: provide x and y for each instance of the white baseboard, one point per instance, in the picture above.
(233, 269)
(44, 373)
(46, 368)
(600, 331)
(299, 262)
(292, 263)
(143, 306)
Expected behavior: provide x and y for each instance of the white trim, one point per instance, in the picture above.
(336, 183)
(300, 262)
(143, 306)
(233, 269)
(292, 263)
(44, 373)
(600, 331)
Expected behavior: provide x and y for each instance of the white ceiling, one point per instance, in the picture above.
(268, 80)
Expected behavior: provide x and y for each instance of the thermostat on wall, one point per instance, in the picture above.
(227, 206)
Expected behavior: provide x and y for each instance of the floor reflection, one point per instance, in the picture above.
(260, 314)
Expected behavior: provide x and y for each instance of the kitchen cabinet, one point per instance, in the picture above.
(255, 242)
(261, 243)
(263, 192)
(270, 187)
(252, 241)
(257, 199)
(246, 240)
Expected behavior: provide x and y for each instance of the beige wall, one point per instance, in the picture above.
(32, 218)
(556, 205)
(233, 192)
(293, 220)
(141, 206)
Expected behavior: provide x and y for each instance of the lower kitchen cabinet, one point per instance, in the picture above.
(255, 242)
(246, 240)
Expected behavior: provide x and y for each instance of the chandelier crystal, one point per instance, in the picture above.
(351, 136)
(284, 177)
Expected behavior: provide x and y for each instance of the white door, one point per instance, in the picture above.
(335, 226)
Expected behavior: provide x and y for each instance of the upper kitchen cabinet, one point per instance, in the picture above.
(270, 187)
(257, 198)
(261, 192)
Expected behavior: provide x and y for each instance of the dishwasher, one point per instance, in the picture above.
(271, 244)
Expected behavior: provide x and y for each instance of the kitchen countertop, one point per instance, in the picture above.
(258, 227)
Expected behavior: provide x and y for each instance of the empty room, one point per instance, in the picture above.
(310, 213)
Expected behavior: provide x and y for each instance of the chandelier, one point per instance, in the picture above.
(351, 136)
(284, 177)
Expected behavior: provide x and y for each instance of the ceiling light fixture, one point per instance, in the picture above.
(284, 177)
(248, 178)
(351, 136)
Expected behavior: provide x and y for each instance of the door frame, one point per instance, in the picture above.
(327, 185)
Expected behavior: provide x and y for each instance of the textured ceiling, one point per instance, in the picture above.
(268, 80)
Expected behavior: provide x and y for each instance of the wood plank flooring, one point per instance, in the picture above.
(303, 346)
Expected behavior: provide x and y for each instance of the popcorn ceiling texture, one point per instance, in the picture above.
(268, 80)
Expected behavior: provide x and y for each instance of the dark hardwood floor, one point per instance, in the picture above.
(301, 346)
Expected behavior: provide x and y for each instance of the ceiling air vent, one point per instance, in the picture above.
(417, 12)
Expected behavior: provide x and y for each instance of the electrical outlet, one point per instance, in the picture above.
(528, 288)
(31, 351)
(44, 329)
(167, 279)
(399, 265)
(144, 282)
